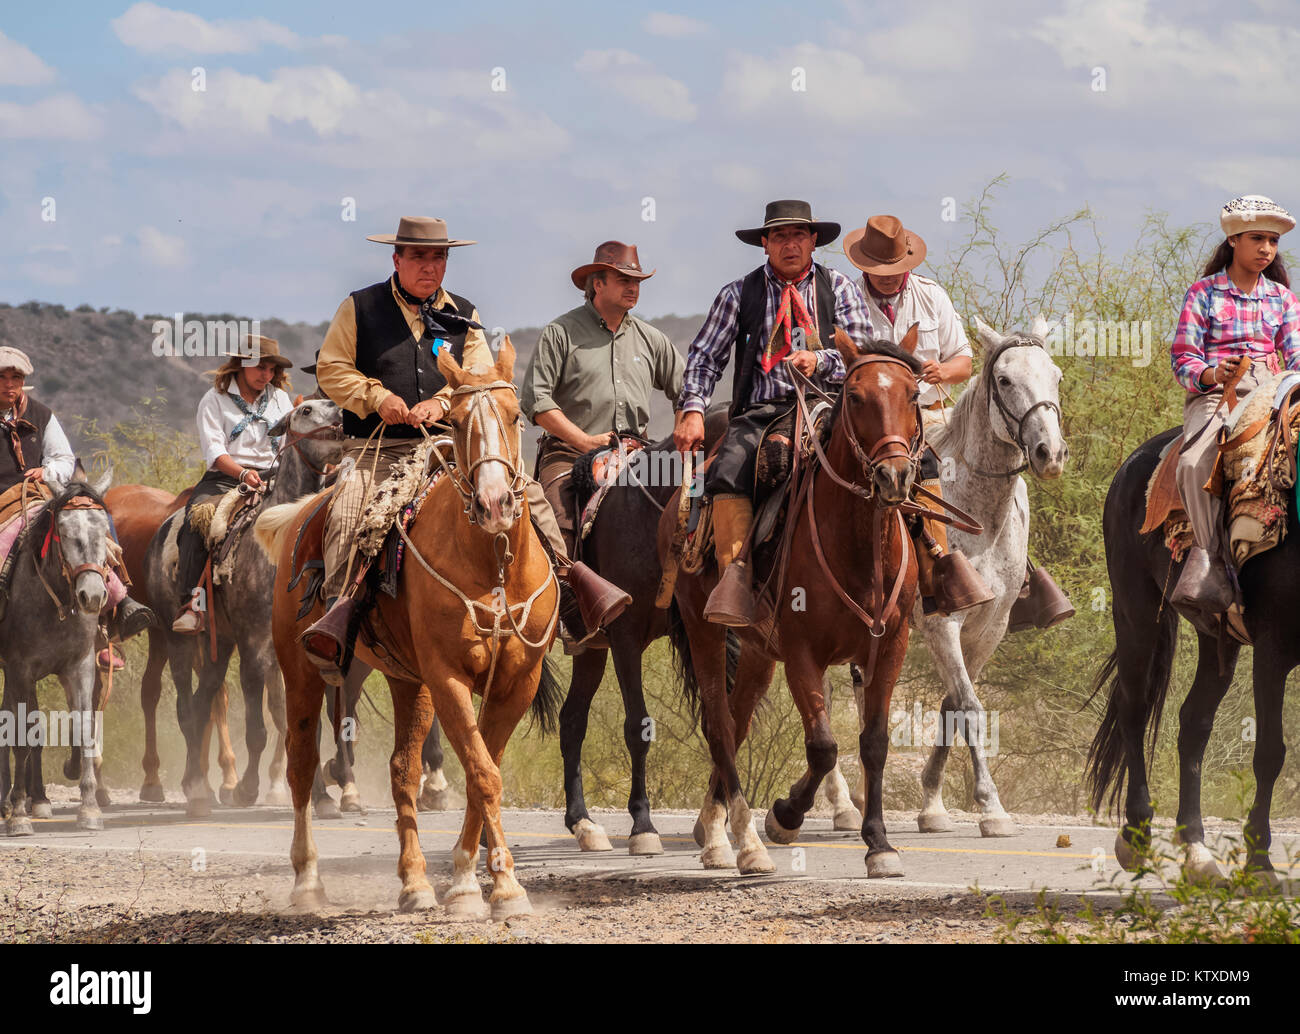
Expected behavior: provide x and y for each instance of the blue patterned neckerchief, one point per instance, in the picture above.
(251, 413)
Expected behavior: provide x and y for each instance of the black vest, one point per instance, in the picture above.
(387, 352)
(32, 441)
(750, 339)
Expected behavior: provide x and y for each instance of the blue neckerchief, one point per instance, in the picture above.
(251, 414)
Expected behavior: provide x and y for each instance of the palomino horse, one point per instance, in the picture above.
(56, 594)
(1007, 420)
(844, 512)
(476, 612)
(621, 548)
(241, 609)
(1137, 673)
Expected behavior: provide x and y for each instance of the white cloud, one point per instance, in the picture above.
(159, 30)
(62, 117)
(160, 249)
(838, 88)
(674, 26)
(20, 67)
(635, 78)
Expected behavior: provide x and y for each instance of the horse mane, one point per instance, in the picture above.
(883, 346)
(954, 436)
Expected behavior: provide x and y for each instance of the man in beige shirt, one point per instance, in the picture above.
(593, 373)
(378, 363)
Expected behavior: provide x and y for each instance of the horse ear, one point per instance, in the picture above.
(297, 401)
(988, 337)
(846, 347)
(1040, 327)
(913, 335)
(449, 368)
(104, 482)
(282, 425)
(506, 360)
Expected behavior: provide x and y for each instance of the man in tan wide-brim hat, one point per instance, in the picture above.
(378, 363)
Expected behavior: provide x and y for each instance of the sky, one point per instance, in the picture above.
(542, 130)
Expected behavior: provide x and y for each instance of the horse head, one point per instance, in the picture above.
(485, 421)
(1021, 385)
(79, 540)
(314, 427)
(879, 415)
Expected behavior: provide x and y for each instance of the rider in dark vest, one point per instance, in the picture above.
(378, 364)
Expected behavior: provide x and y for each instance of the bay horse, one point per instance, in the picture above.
(240, 609)
(844, 511)
(1137, 674)
(476, 611)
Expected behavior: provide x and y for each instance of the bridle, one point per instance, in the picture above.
(482, 405)
(1009, 419)
(294, 440)
(53, 542)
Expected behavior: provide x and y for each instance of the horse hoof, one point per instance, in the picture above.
(419, 899)
(507, 907)
(847, 821)
(351, 802)
(720, 856)
(19, 827)
(934, 822)
(1199, 866)
(245, 798)
(1266, 879)
(591, 837)
(755, 861)
(325, 808)
(645, 844)
(90, 820)
(152, 793)
(881, 864)
(699, 833)
(42, 810)
(226, 795)
(278, 795)
(198, 808)
(1129, 859)
(102, 798)
(776, 832)
(310, 897)
(467, 904)
(998, 826)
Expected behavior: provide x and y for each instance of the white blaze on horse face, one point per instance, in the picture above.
(83, 536)
(492, 479)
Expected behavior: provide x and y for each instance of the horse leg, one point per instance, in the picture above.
(19, 689)
(588, 669)
(225, 748)
(151, 791)
(970, 718)
(785, 817)
(277, 791)
(198, 712)
(412, 716)
(859, 794)
(873, 745)
(252, 680)
(846, 816)
(78, 688)
(638, 732)
(1270, 672)
(350, 796)
(435, 795)
(304, 692)
(321, 802)
(98, 701)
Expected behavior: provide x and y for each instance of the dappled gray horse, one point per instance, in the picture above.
(48, 628)
(241, 608)
(1006, 421)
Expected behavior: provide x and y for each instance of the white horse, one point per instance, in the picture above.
(1007, 420)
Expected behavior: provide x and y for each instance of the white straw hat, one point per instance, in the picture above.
(1255, 212)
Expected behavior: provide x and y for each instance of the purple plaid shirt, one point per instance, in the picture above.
(1220, 320)
(713, 345)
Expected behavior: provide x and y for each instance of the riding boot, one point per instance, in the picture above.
(1041, 603)
(599, 600)
(130, 618)
(954, 584)
(325, 640)
(732, 600)
(188, 620)
(1203, 585)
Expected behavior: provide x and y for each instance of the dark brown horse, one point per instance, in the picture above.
(463, 576)
(845, 598)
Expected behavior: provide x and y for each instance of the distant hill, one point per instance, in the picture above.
(97, 364)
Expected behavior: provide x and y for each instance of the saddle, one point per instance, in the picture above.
(13, 532)
(594, 474)
(221, 524)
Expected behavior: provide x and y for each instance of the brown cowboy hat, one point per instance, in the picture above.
(789, 213)
(614, 256)
(419, 232)
(884, 247)
(263, 348)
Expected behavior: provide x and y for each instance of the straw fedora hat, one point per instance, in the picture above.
(614, 256)
(253, 346)
(789, 213)
(419, 232)
(884, 247)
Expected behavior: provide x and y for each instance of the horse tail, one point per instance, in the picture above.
(680, 644)
(269, 528)
(548, 698)
(1107, 762)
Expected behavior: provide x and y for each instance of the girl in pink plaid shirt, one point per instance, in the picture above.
(1241, 317)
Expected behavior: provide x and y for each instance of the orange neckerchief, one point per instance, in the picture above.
(790, 311)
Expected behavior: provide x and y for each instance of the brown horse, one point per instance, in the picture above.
(138, 511)
(854, 568)
(473, 564)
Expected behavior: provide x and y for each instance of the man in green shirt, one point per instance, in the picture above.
(593, 374)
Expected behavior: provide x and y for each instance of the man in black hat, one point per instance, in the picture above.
(786, 309)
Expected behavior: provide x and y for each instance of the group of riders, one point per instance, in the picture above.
(596, 367)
